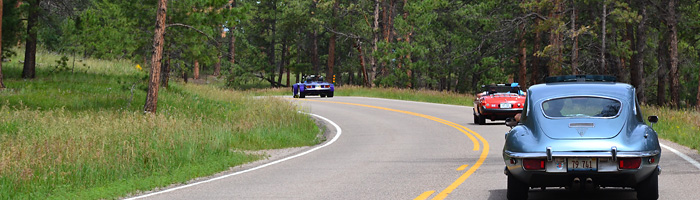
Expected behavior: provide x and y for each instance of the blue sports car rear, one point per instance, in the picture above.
(582, 132)
(313, 85)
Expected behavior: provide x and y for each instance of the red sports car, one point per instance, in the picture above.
(498, 102)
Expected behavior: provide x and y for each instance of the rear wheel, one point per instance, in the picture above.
(330, 94)
(517, 190)
(322, 95)
(302, 95)
(482, 119)
(648, 189)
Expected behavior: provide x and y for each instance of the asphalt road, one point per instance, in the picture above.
(393, 149)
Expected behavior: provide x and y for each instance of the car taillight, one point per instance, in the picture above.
(533, 164)
(308, 86)
(630, 163)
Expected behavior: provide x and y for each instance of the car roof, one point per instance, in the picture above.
(621, 91)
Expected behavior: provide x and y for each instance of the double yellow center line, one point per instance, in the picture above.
(471, 134)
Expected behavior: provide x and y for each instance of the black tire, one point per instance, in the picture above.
(648, 189)
(517, 190)
(322, 95)
(482, 119)
(476, 118)
(302, 96)
(330, 94)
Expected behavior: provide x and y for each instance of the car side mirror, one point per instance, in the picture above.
(510, 122)
(653, 119)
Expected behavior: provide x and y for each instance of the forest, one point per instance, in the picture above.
(445, 45)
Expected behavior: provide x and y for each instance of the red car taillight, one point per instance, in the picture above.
(630, 163)
(308, 86)
(533, 164)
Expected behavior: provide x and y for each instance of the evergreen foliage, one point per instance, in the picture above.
(431, 44)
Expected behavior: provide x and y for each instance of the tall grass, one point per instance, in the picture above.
(81, 134)
(680, 126)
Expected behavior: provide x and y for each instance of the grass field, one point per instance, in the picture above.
(680, 126)
(82, 134)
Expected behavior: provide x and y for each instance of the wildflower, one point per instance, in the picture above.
(138, 67)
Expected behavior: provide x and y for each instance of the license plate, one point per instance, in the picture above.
(506, 105)
(582, 164)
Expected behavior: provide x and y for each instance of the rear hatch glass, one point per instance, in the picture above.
(582, 118)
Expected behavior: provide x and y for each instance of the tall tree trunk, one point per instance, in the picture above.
(637, 67)
(351, 76)
(574, 32)
(152, 94)
(195, 71)
(602, 43)
(273, 42)
(409, 73)
(314, 52)
(385, 20)
(697, 104)
(29, 71)
(2, 85)
(185, 77)
(314, 44)
(625, 63)
(392, 14)
(362, 64)
(673, 52)
(331, 56)
(535, 75)
(232, 45)
(232, 52)
(282, 60)
(331, 44)
(555, 62)
(522, 69)
(285, 62)
(661, 73)
(217, 65)
(375, 39)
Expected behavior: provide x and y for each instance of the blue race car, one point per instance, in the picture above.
(313, 85)
(582, 132)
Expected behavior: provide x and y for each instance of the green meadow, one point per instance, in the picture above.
(79, 132)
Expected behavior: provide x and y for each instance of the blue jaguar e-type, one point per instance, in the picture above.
(581, 132)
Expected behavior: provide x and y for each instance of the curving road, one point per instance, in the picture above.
(393, 149)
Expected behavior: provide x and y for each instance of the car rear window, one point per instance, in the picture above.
(581, 107)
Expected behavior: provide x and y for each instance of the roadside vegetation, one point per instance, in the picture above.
(430, 96)
(80, 132)
(680, 126)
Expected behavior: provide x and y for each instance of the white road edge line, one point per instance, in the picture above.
(337, 135)
(687, 158)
